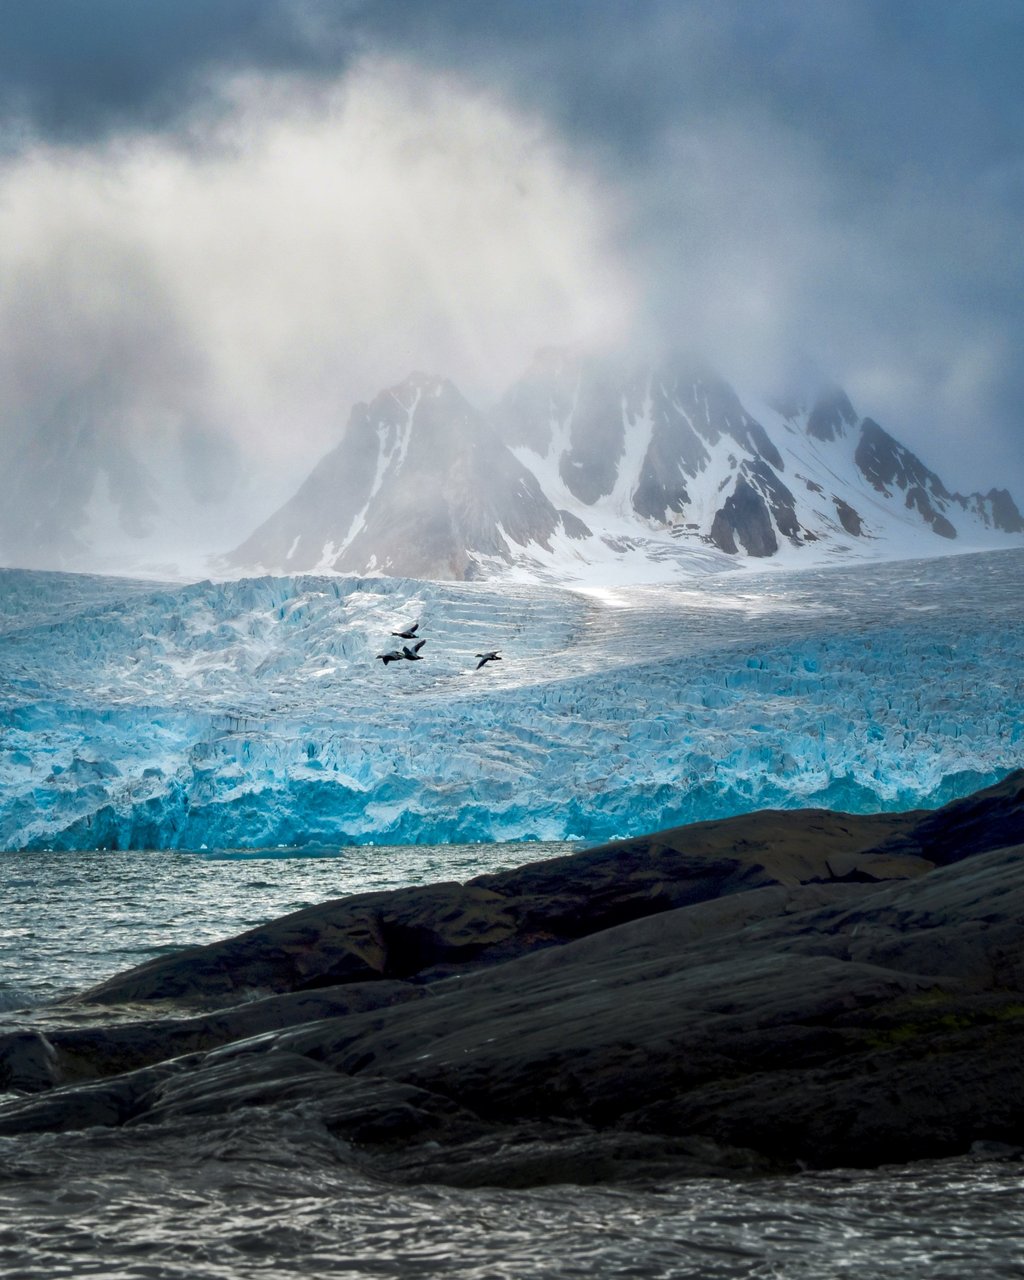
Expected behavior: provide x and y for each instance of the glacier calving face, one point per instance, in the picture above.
(255, 713)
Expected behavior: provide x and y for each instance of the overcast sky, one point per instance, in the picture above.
(223, 221)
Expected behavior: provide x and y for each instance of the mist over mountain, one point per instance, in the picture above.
(591, 466)
(221, 226)
(421, 484)
(82, 495)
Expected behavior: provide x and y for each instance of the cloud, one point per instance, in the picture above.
(76, 71)
(318, 241)
(747, 244)
(221, 224)
(838, 186)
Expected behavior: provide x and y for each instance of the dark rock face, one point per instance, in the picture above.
(1005, 514)
(714, 409)
(996, 508)
(691, 410)
(831, 415)
(675, 452)
(779, 498)
(32, 1064)
(573, 526)
(918, 499)
(775, 989)
(991, 819)
(28, 1062)
(888, 465)
(747, 513)
(688, 405)
(545, 394)
(848, 518)
(597, 438)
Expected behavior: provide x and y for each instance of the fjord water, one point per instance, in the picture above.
(73, 918)
(273, 1193)
(231, 1198)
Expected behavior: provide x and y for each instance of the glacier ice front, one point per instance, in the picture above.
(255, 713)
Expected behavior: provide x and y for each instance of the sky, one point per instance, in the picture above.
(222, 222)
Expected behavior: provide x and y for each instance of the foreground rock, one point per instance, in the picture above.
(423, 934)
(770, 991)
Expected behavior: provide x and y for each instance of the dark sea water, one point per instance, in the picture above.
(71, 919)
(264, 1195)
(272, 1193)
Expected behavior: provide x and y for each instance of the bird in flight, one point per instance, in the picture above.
(394, 655)
(413, 654)
(491, 656)
(408, 633)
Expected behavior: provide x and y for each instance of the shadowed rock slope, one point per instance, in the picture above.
(768, 991)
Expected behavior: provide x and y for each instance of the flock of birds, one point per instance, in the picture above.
(411, 652)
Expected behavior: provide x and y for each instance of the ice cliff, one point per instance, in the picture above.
(254, 713)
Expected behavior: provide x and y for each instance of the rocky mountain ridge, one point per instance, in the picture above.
(586, 462)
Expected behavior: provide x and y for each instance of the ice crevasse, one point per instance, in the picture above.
(255, 713)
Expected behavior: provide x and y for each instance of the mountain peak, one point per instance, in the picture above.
(831, 415)
(424, 384)
(588, 461)
(408, 393)
(419, 483)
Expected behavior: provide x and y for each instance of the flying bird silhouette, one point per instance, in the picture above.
(409, 633)
(393, 656)
(491, 656)
(413, 654)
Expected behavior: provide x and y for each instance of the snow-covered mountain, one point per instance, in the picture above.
(587, 464)
(420, 486)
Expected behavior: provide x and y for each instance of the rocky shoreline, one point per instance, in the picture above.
(777, 991)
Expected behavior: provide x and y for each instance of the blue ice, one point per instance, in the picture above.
(254, 714)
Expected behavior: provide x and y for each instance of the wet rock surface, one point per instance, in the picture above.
(422, 934)
(769, 992)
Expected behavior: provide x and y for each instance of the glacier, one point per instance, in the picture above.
(254, 714)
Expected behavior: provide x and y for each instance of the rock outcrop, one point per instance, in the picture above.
(771, 991)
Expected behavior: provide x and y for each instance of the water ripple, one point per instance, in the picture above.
(277, 1196)
(129, 907)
